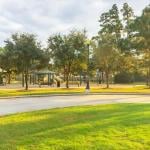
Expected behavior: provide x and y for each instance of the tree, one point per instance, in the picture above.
(141, 28)
(68, 52)
(26, 52)
(7, 62)
(128, 19)
(108, 41)
(111, 23)
(107, 55)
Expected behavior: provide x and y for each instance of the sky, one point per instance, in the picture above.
(47, 17)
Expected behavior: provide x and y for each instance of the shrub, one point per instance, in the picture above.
(124, 77)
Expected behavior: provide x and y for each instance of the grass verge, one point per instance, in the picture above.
(48, 91)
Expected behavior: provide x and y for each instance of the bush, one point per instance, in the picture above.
(124, 77)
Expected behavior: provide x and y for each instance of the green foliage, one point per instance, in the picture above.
(68, 52)
(141, 40)
(124, 77)
(128, 17)
(141, 27)
(26, 53)
(107, 55)
(7, 62)
(111, 23)
(127, 63)
(107, 50)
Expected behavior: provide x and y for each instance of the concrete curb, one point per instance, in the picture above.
(75, 94)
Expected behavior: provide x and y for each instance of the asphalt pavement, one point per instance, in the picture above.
(25, 104)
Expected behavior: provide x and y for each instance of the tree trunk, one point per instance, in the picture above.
(67, 75)
(64, 74)
(67, 80)
(22, 79)
(107, 80)
(9, 77)
(80, 80)
(87, 84)
(102, 78)
(148, 77)
(26, 81)
(30, 79)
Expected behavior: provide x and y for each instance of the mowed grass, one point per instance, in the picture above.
(45, 91)
(103, 127)
(39, 91)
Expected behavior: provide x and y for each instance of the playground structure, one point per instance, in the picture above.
(50, 78)
(46, 77)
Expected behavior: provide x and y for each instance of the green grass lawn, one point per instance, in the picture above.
(44, 91)
(103, 127)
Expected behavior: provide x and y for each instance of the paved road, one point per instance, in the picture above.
(15, 105)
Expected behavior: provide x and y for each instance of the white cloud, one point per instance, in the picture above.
(45, 17)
